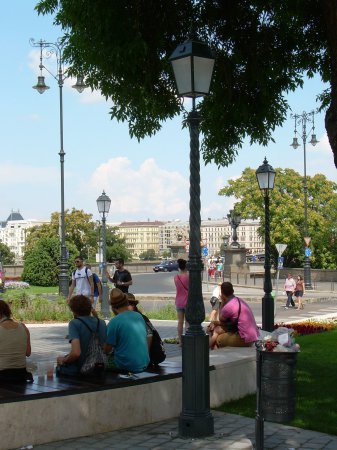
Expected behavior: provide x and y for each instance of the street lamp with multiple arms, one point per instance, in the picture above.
(192, 64)
(47, 49)
(304, 119)
(265, 175)
(103, 205)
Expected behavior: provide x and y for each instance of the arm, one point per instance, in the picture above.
(74, 354)
(71, 290)
(100, 291)
(28, 348)
(91, 282)
(109, 277)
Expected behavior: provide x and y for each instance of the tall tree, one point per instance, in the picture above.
(287, 213)
(6, 256)
(263, 50)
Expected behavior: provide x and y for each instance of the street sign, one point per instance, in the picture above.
(280, 261)
(307, 252)
(280, 248)
(204, 251)
(307, 241)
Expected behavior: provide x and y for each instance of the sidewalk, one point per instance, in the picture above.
(231, 432)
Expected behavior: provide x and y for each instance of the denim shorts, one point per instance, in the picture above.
(181, 310)
(298, 293)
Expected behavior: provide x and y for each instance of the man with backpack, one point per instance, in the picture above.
(81, 280)
(97, 287)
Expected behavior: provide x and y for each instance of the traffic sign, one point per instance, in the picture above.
(204, 251)
(280, 248)
(307, 252)
(307, 241)
(280, 261)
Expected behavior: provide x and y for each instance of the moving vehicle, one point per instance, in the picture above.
(166, 266)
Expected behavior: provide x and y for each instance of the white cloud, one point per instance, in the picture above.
(148, 190)
(12, 173)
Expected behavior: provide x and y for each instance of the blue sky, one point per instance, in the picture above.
(146, 180)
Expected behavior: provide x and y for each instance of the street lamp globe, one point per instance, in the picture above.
(103, 204)
(79, 85)
(192, 64)
(265, 175)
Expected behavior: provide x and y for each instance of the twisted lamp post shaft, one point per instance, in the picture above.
(195, 419)
(267, 300)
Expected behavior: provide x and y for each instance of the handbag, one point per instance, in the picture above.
(95, 359)
(213, 301)
(157, 350)
(231, 326)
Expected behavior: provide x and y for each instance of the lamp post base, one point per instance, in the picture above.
(307, 274)
(195, 419)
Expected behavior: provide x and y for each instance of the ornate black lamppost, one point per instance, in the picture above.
(234, 221)
(47, 49)
(192, 63)
(103, 205)
(265, 175)
(303, 119)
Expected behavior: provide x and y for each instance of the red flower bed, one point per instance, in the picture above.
(304, 328)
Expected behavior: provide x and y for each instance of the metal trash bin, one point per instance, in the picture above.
(278, 385)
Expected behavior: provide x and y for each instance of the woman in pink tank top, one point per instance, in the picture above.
(182, 282)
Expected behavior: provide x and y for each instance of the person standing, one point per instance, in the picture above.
(121, 278)
(81, 280)
(182, 284)
(97, 287)
(299, 291)
(289, 287)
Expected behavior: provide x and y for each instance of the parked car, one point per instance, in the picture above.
(166, 266)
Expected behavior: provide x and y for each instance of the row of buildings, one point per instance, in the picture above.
(143, 236)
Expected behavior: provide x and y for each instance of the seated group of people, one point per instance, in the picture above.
(126, 339)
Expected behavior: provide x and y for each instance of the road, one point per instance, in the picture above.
(159, 287)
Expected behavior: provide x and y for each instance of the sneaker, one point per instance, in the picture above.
(286, 307)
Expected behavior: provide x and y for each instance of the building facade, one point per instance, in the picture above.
(13, 233)
(159, 236)
(140, 236)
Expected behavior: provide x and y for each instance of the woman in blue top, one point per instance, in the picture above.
(79, 335)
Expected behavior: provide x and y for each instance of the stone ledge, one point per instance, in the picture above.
(50, 419)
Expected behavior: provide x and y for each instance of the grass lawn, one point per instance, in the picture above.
(316, 385)
(36, 290)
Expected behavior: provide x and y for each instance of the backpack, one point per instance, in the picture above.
(95, 360)
(157, 350)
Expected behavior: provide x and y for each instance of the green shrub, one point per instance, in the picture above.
(167, 312)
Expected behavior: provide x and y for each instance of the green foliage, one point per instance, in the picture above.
(148, 254)
(38, 309)
(6, 256)
(287, 214)
(42, 252)
(115, 246)
(262, 51)
(41, 262)
(167, 312)
(316, 361)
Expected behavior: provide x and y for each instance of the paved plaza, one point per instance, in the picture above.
(232, 432)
